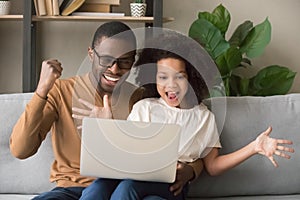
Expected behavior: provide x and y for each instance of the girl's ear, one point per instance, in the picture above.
(91, 53)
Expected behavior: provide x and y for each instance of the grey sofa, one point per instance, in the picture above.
(239, 119)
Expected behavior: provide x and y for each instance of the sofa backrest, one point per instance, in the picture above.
(27, 176)
(245, 118)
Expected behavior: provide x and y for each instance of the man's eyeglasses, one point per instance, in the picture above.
(109, 61)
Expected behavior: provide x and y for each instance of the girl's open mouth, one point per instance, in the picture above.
(172, 95)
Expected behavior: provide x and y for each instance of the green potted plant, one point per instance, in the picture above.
(4, 7)
(138, 8)
(246, 42)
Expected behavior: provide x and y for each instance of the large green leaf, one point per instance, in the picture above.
(220, 18)
(244, 86)
(227, 86)
(209, 36)
(229, 60)
(272, 80)
(234, 85)
(240, 33)
(257, 39)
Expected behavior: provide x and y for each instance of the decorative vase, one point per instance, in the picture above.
(138, 9)
(4, 7)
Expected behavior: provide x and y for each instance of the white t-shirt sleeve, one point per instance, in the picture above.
(199, 136)
(140, 112)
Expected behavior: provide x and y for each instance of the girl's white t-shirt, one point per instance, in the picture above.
(199, 132)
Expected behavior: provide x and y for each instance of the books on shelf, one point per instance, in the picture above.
(67, 7)
(87, 6)
(71, 7)
(98, 14)
(55, 6)
(47, 7)
(41, 7)
(91, 7)
(110, 2)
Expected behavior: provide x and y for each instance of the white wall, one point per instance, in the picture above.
(68, 41)
(11, 41)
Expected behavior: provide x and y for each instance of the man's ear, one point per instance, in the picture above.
(90, 53)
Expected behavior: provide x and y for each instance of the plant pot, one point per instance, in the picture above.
(138, 9)
(4, 7)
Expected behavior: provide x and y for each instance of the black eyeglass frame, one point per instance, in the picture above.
(120, 61)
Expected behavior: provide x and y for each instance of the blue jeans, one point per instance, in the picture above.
(72, 193)
(113, 189)
(60, 193)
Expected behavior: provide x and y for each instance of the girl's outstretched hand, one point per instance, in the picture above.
(268, 146)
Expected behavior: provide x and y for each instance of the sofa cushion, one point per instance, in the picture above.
(27, 176)
(263, 197)
(16, 196)
(245, 118)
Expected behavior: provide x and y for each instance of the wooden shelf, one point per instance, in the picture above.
(94, 18)
(11, 17)
(83, 18)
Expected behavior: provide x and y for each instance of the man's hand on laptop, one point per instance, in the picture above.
(92, 110)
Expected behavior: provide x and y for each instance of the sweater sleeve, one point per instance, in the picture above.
(32, 127)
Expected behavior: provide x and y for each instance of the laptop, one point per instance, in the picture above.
(122, 149)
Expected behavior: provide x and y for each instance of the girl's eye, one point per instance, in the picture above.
(162, 77)
(180, 76)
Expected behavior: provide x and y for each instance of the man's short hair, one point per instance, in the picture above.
(115, 29)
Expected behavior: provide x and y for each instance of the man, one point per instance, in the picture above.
(60, 105)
